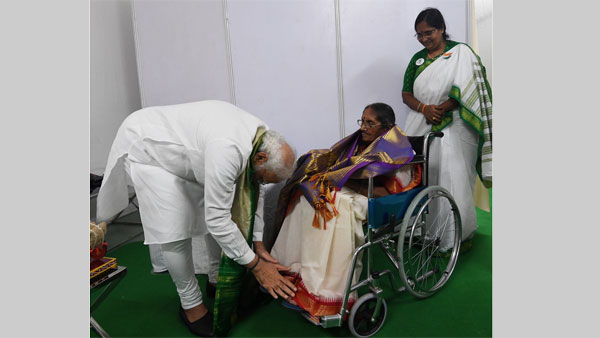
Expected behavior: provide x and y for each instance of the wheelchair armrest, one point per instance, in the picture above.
(418, 159)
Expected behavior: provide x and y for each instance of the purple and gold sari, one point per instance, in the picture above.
(320, 172)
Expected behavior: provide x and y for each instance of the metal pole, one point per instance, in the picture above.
(94, 324)
(137, 56)
(229, 57)
(338, 40)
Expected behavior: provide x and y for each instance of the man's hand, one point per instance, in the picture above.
(267, 274)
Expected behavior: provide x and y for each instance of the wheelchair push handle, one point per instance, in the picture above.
(436, 134)
(426, 144)
(429, 137)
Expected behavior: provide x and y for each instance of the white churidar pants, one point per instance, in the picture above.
(203, 252)
(177, 257)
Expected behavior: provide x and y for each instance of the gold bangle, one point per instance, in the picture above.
(423, 110)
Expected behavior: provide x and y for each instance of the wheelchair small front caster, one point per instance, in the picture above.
(360, 321)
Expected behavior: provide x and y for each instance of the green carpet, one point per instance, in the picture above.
(146, 305)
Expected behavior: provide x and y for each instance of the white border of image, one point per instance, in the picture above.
(545, 189)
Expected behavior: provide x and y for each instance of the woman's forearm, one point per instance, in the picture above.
(448, 105)
(362, 187)
(416, 105)
(410, 100)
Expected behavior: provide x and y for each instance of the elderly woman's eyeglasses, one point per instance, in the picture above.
(425, 34)
(368, 124)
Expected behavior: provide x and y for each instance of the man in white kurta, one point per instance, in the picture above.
(183, 162)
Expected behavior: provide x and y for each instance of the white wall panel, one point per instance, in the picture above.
(377, 43)
(284, 62)
(181, 49)
(283, 55)
(114, 90)
(484, 23)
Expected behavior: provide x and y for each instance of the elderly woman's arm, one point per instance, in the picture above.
(362, 187)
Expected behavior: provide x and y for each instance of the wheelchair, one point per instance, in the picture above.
(398, 225)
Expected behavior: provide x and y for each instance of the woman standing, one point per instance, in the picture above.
(445, 87)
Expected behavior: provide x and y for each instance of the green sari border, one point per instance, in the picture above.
(233, 276)
(472, 120)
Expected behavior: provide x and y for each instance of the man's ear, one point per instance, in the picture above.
(260, 157)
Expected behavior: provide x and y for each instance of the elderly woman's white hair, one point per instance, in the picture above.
(271, 144)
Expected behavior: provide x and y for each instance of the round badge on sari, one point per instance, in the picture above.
(419, 61)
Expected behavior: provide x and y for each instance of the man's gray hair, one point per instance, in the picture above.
(271, 144)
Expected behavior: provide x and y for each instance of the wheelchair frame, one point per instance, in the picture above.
(408, 230)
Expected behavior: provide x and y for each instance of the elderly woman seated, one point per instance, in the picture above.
(322, 207)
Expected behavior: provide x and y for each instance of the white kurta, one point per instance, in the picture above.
(183, 161)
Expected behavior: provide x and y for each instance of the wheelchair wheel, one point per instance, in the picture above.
(429, 241)
(362, 311)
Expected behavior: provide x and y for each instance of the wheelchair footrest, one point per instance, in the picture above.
(331, 321)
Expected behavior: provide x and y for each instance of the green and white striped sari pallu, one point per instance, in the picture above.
(472, 91)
